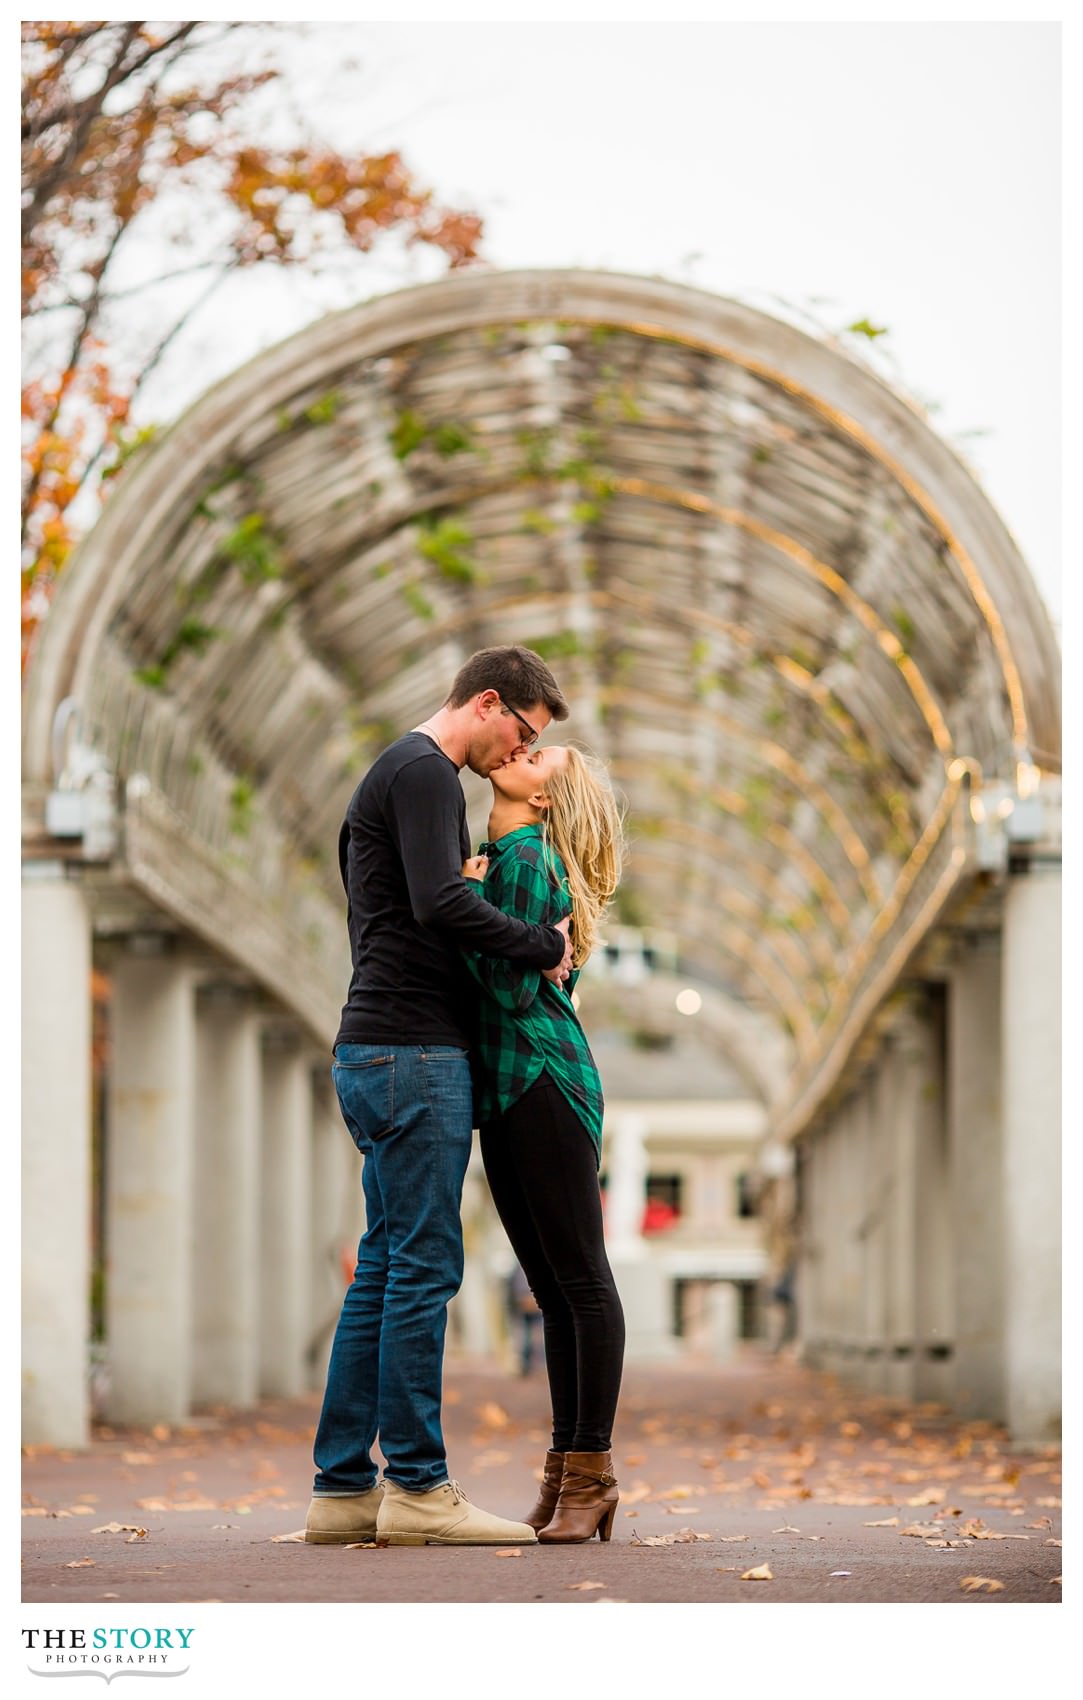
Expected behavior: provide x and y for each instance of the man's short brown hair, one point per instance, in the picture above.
(518, 676)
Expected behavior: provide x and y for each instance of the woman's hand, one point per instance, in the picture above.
(475, 867)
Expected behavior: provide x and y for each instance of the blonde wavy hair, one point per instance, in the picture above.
(584, 824)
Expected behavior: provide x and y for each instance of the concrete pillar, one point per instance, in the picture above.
(56, 1130)
(723, 1320)
(641, 1282)
(150, 1231)
(809, 1282)
(852, 1184)
(901, 1213)
(284, 1253)
(874, 1231)
(626, 1190)
(337, 1222)
(976, 1162)
(225, 1347)
(1032, 1175)
(933, 1251)
(473, 1327)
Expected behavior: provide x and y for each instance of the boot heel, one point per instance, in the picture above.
(605, 1527)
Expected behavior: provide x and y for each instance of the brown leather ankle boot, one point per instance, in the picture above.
(588, 1499)
(547, 1492)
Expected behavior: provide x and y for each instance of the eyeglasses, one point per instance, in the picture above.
(533, 736)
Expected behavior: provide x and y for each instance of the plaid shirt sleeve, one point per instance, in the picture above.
(519, 885)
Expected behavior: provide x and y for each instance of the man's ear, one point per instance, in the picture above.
(487, 701)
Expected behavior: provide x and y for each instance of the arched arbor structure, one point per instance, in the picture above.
(781, 607)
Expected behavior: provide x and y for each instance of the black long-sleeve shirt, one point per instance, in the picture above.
(409, 911)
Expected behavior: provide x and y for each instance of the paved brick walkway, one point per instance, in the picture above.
(722, 1471)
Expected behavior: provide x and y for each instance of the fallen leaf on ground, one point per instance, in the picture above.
(493, 1415)
(295, 1535)
(786, 1529)
(923, 1530)
(118, 1529)
(78, 1563)
(581, 1587)
(724, 1567)
(842, 1573)
(509, 1552)
(884, 1523)
(637, 1491)
(179, 1505)
(1054, 1581)
(928, 1496)
(974, 1584)
(1053, 1543)
(1042, 1523)
(689, 1535)
(762, 1573)
(681, 1510)
(733, 1537)
(354, 1546)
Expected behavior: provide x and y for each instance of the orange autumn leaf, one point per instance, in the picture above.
(116, 117)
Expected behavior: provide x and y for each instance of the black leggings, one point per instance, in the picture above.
(539, 1162)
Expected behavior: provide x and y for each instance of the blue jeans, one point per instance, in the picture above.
(409, 1110)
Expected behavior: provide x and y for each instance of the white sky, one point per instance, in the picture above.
(905, 173)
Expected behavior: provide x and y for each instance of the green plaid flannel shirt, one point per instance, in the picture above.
(526, 1023)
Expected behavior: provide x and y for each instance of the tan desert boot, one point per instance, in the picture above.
(443, 1517)
(333, 1519)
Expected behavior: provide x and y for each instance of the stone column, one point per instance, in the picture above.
(626, 1191)
(641, 1282)
(225, 1351)
(473, 1328)
(976, 1160)
(286, 1213)
(875, 1230)
(901, 1213)
(149, 1165)
(1032, 1174)
(337, 1222)
(56, 1132)
(934, 1277)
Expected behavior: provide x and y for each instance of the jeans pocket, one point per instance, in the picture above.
(366, 1097)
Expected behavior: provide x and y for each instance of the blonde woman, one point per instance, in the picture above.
(554, 850)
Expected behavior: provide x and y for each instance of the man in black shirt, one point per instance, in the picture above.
(402, 1074)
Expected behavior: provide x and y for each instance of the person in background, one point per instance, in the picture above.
(526, 1318)
(554, 853)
